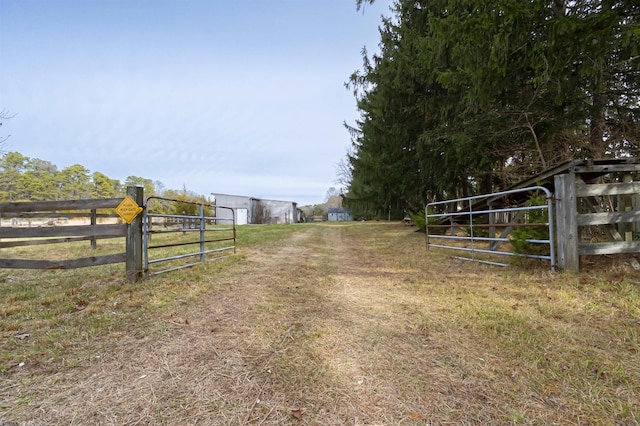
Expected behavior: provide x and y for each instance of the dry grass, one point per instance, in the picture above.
(336, 324)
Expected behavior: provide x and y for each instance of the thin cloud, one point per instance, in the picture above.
(242, 96)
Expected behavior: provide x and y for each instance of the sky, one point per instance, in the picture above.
(242, 97)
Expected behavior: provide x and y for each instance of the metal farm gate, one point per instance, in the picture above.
(473, 224)
(176, 239)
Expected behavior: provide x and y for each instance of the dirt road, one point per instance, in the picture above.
(334, 326)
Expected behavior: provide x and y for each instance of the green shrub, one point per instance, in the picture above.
(418, 220)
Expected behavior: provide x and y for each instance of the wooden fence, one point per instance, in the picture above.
(51, 213)
(583, 202)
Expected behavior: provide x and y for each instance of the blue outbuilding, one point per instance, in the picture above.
(340, 215)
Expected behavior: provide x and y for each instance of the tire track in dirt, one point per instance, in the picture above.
(211, 367)
(323, 328)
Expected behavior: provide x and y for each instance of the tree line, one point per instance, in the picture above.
(469, 97)
(32, 179)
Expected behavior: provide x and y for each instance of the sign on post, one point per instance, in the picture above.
(128, 209)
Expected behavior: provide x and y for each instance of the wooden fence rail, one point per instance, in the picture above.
(29, 236)
(618, 225)
(115, 230)
(56, 206)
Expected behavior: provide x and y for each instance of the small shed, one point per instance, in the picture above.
(340, 215)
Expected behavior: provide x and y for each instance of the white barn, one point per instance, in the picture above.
(249, 210)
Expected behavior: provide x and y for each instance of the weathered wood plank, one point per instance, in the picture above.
(609, 248)
(567, 227)
(36, 206)
(134, 238)
(63, 264)
(624, 205)
(594, 207)
(21, 243)
(94, 222)
(607, 168)
(495, 245)
(588, 219)
(593, 190)
(635, 204)
(52, 215)
(66, 231)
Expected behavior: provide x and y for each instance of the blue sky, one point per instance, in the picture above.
(237, 96)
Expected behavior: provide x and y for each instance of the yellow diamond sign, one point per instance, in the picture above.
(128, 209)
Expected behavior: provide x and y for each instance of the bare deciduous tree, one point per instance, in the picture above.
(4, 115)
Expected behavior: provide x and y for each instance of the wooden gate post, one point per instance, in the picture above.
(134, 237)
(625, 204)
(566, 220)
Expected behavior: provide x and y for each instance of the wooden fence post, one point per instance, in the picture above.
(625, 204)
(134, 237)
(566, 220)
(635, 203)
(94, 222)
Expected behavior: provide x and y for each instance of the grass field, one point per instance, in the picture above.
(321, 324)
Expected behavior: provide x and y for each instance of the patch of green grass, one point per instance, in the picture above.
(258, 235)
(563, 337)
(357, 320)
(51, 314)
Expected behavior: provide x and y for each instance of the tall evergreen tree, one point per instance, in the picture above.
(468, 96)
(103, 187)
(149, 187)
(74, 183)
